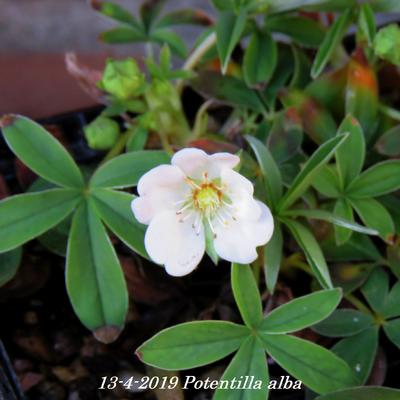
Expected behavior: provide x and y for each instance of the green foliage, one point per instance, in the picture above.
(229, 31)
(95, 281)
(194, 344)
(386, 44)
(102, 133)
(331, 41)
(9, 263)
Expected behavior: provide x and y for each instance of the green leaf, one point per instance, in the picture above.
(192, 344)
(224, 5)
(229, 31)
(344, 322)
(310, 246)
(359, 352)
(116, 12)
(358, 247)
(330, 42)
(378, 180)
(40, 151)
(138, 140)
(276, 6)
(260, 59)
(26, 216)
(246, 293)
(305, 177)
(392, 304)
(95, 282)
(392, 330)
(326, 182)
(114, 208)
(329, 217)
(343, 210)
(270, 171)
(376, 289)
(351, 155)
(304, 31)
(122, 35)
(363, 393)
(184, 17)
(375, 216)
(366, 23)
(302, 312)
(389, 143)
(318, 368)
(149, 12)
(384, 6)
(126, 170)
(228, 90)
(176, 43)
(273, 252)
(250, 360)
(9, 263)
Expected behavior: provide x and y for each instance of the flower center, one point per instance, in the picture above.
(207, 199)
(206, 203)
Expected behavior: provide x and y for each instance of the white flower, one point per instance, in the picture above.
(180, 201)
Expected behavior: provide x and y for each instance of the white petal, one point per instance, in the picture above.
(156, 201)
(225, 160)
(260, 232)
(174, 244)
(195, 162)
(234, 182)
(237, 241)
(240, 192)
(232, 244)
(161, 176)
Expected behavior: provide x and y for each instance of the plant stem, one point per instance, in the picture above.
(358, 304)
(118, 147)
(196, 57)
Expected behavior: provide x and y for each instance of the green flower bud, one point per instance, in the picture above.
(387, 44)
(123, 79)
(161, 94)
(102, 133)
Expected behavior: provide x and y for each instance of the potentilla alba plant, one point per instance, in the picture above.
(199, 201)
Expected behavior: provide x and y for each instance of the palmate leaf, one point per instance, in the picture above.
(95, 282)
(40, 151)
(344, 322)
(26, 216)
(270, 171)
(313, 252)
(331, 41)
(192, 344)
(363, 393)
(376, 290)
(318, 368)
(301, 312)
(273, 252)
(246, 294)
(114, 208)
(229, 30)
(305, 177)
(378, 180)
(350, 156)
(126, 170)
(260, 59)
(375, 216)
(250, 360)
(9, 263)
(359, 352)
